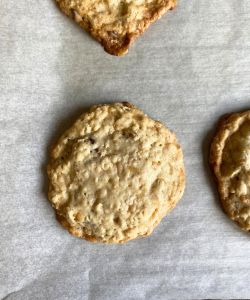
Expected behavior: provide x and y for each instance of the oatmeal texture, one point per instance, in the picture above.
(115, 174)
(230, 160)
(115, 23)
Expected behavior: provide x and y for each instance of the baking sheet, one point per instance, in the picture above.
(188, 69)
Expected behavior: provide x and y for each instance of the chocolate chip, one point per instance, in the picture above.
(91, 140)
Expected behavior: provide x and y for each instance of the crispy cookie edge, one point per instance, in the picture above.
(112, 45)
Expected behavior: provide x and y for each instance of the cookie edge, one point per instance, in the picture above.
(108, 44)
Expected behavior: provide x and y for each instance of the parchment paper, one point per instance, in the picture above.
(187, 70)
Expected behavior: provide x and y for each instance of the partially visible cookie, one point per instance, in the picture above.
(115, 174)
(230, 161)
(115, 24)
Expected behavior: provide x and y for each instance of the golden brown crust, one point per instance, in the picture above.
(71, 229)
(115, 24)
(230, 162)
(115, 174)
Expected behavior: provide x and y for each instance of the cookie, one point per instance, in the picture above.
(115, 24)
(230, 161)
(115, 174)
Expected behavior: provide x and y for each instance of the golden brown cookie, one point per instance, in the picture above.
(115, 174)
(230, 161)
(115, 24)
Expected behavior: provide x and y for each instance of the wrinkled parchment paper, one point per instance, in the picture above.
(187, 70)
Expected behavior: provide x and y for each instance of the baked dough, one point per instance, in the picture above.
(115, 24)
(230, 161)
(115, 174)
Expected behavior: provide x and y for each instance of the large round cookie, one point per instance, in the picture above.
(115, 174)
(230, 161)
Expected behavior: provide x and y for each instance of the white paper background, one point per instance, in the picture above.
(188, 69)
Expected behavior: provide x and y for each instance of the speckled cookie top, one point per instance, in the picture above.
(115, 23)
(230, 160)
(114, 174)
